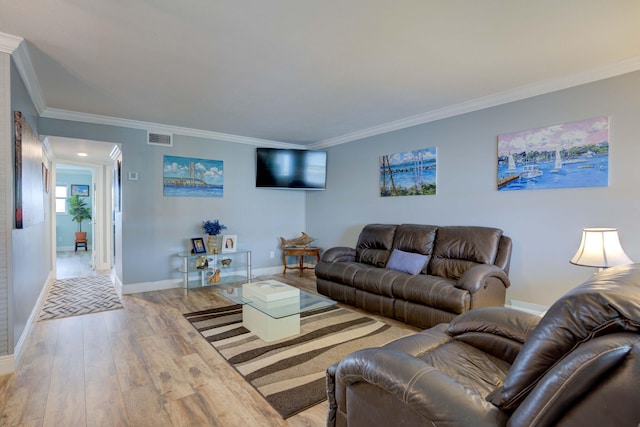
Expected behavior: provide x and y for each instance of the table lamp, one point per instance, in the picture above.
(600, 247)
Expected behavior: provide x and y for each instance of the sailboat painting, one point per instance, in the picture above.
(410, 173)
(568, 155)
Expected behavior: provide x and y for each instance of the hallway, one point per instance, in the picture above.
(71, 264)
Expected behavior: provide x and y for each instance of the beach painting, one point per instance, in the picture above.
(569, 155)
(190, 177)
(410, 173)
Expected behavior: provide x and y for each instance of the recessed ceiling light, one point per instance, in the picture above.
(82, 154)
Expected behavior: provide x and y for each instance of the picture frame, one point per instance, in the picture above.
(409, 173)
(45, 178)
(198, 247)
(566, 155)
(192, 177)
(80, 190)
(117, 186)
(229, 242)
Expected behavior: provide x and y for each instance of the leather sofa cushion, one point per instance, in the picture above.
(376, 281)
(458, 248)
(375, 243)
(472, 368)
(420, 289)
(499, 331)
(416, 238)
(431, 291)
(580, 315)
(340, 272)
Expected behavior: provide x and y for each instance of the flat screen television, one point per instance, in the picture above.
(288, 168)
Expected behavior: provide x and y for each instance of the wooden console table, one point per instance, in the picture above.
(300, 253)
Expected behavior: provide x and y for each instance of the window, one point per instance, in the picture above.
(61, 199)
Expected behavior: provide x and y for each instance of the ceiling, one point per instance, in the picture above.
(66, 152)
(311, 73)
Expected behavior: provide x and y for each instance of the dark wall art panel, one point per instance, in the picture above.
(28, 174)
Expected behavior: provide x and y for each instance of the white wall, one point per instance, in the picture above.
(545, 225)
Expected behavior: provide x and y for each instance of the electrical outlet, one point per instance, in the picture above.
(272, 254)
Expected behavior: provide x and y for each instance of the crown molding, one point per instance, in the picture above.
(14, 46)
(55, 113)
(9, 43)
(552, 85)
(27, 72)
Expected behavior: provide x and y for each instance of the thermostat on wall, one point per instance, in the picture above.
(133, 176)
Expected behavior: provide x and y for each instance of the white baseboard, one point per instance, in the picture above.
(135, 288)
(7, 364)
(266, 271)
(11, 361)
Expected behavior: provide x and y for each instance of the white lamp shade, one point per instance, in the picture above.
(600, 247)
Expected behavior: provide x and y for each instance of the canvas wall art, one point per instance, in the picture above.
(190, 177)
(573, 154)
(29, 189)
(410, 173)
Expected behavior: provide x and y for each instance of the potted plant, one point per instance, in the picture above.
(79, 211)
(213, 229)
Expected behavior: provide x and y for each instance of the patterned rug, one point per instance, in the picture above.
(290, 373)
(81, 295)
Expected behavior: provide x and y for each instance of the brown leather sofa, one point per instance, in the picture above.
(577, 366)
(464, 267)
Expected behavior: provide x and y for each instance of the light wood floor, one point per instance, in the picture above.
(141, 366)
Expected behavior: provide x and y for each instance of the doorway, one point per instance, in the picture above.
(75, 258)
(83, 168)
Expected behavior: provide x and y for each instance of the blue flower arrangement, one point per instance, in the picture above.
(213, 228)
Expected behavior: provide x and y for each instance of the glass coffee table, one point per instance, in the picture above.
(271, 309)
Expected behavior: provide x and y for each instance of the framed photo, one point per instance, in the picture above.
(198, 246)
(229, 243)
(80, 190)
(45, 178)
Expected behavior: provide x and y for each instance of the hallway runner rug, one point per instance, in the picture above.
(80, 295)
(290, 373)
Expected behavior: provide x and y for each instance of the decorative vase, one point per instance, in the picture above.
(213, 243)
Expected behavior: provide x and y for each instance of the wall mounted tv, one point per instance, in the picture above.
(287, 168)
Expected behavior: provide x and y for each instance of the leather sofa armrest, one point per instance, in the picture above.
(476, 277)
(500, 331)
(331, 395)
(419, 386)
(339, 254)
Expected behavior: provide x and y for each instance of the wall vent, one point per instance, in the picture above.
(154, 138)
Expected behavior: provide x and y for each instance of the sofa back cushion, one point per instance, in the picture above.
(416, 238)
(375, 243)
(458, 248)
(607, 303)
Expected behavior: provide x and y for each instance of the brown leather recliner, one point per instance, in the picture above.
(579, 365)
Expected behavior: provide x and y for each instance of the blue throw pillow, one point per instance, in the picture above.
(406, 262)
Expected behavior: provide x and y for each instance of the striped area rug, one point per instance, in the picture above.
(80, 295)
(290, 373)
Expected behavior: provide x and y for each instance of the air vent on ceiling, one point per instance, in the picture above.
(155, 138)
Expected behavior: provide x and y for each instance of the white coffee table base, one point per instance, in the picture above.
(268, 328)
(271, 296)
